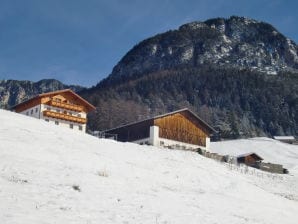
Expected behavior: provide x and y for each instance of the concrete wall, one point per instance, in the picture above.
(144, 141)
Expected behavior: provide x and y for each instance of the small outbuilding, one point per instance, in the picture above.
(250, 159)
(181, 129)
(286, 139)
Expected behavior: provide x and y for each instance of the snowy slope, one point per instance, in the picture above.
(127, 183)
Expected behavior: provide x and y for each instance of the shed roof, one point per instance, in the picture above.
(249, 154)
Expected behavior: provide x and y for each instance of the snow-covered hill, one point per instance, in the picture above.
(53, 175)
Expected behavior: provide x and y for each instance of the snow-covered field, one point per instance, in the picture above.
(49, 174)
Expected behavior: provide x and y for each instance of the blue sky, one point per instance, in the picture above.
(80, 41)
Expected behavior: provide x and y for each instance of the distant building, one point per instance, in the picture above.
(285, 139)
(250, 159)
(181, 129)
(63, 107)
(254, 160)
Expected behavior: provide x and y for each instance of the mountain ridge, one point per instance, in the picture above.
(13, 92)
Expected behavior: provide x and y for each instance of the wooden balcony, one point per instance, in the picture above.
(65, 117)
(66, 106)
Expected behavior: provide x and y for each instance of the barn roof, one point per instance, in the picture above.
(85, 102)
(249, 154)
(212, 130)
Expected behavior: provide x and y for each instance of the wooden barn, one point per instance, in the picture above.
(181, 129)
(250, 159)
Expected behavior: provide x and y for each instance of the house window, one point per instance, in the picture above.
(27, 113)
(70, 113)
(36, 110)
(79, 115)
(56, 122)
(31, 112)
(48, 108)
(71, 126)
(58, 110)
(47, 120)
(80, 127)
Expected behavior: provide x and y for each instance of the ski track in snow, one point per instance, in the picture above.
(50, 174)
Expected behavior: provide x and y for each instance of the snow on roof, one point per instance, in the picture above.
(284, 137)
(249, 154)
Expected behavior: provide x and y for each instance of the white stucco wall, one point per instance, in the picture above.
(32, 112)
(154, 136)
(36, 112)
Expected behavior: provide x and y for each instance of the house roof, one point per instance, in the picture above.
(249, 154)
(167, 114)
(85, 102)
(284, 137)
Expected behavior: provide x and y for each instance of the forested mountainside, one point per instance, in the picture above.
(238, 74)
(236, 103)
(13, 91)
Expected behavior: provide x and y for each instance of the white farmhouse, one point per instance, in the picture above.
(63, 107)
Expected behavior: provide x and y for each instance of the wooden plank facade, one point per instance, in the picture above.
(180, 126)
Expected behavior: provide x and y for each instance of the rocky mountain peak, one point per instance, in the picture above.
(237, 42)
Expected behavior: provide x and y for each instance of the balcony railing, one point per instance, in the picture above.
(64, 117)
(67, 106)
